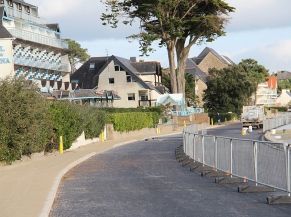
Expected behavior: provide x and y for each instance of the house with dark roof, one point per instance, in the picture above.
(136, 83)
(199, 67)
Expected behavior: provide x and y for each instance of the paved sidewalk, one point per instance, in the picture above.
(282, 135)
(25, 186)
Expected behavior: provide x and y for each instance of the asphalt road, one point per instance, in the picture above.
(144, 180)
(234, 131)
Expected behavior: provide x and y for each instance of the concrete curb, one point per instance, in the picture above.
(54, 190)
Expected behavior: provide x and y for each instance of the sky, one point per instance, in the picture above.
(258, 29)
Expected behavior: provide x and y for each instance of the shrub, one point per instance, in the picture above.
(70, 120)
(25, 124)
(125, 122)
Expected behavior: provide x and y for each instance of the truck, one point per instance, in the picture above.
(253, 116)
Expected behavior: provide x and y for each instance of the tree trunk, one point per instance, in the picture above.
(172, 65)
(182, 56)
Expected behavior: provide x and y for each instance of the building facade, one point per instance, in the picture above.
(267, 92)
(33, 48)
(199, 67)
(135, 83)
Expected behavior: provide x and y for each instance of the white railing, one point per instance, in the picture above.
(272, 123)
(38, 38)
(264, 163)
(22, 61)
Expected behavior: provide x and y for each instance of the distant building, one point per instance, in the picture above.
(32, 48)
(284, 99)
(199, 67)
(135, 83)
(267, 92)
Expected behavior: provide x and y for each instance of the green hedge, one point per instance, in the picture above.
(125, 122)
(70, 120)
(25, 124)
(30, 124)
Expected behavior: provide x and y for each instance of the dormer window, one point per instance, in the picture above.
(92, 66)
(27, 9)
(19, 7)
(10, 3)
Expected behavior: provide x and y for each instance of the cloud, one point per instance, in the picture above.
(275, 56)
(259, 14)
(80, 19)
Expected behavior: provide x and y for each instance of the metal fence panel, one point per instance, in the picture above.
(272, 165)
(223, 154)
(243, 158)
(199, 148)
(209, 147)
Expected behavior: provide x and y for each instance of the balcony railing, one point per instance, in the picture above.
(38, 38)
(41, 64)
(14, 13)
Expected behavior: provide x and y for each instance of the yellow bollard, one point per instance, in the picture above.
(212, 122)
(101, 136)
(61, 146)
(185, 124)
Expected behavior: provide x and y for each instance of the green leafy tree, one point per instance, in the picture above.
(230, 88)
(284, 84)
(77, 54)
(190, 90)
(176, 24)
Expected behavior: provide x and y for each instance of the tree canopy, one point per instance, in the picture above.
(229, 89)
(76, 53)
(176, 24)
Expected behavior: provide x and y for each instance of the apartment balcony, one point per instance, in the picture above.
(38, 38)
(14, 13)
(54, 66)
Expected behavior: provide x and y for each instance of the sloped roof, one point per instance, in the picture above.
(4, 32)
(193, 69)
(208, 50)
(54, 26)
(147, 68)
(88, 78)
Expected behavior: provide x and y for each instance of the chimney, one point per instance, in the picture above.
(133, 59)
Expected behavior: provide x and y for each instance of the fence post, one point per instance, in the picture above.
(255, 144)
(216, 154)
(184, 146)
(203, 151)
(194, 147)
(288, 171)
(231, 155)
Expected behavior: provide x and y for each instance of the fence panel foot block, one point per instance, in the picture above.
(213, 173)
(281, 199)
(229, 180)
(254, 189)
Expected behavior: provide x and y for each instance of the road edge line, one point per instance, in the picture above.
(54, 189)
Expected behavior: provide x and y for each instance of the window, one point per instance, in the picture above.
(10, 3)
(19, 6)
(111, 80)
(117, 68)
(27, 9)
(2, 2)
(128, 77)
(131, 97)
(92, 66)
(144, 98)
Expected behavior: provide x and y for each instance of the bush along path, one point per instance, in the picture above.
(30, 123)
